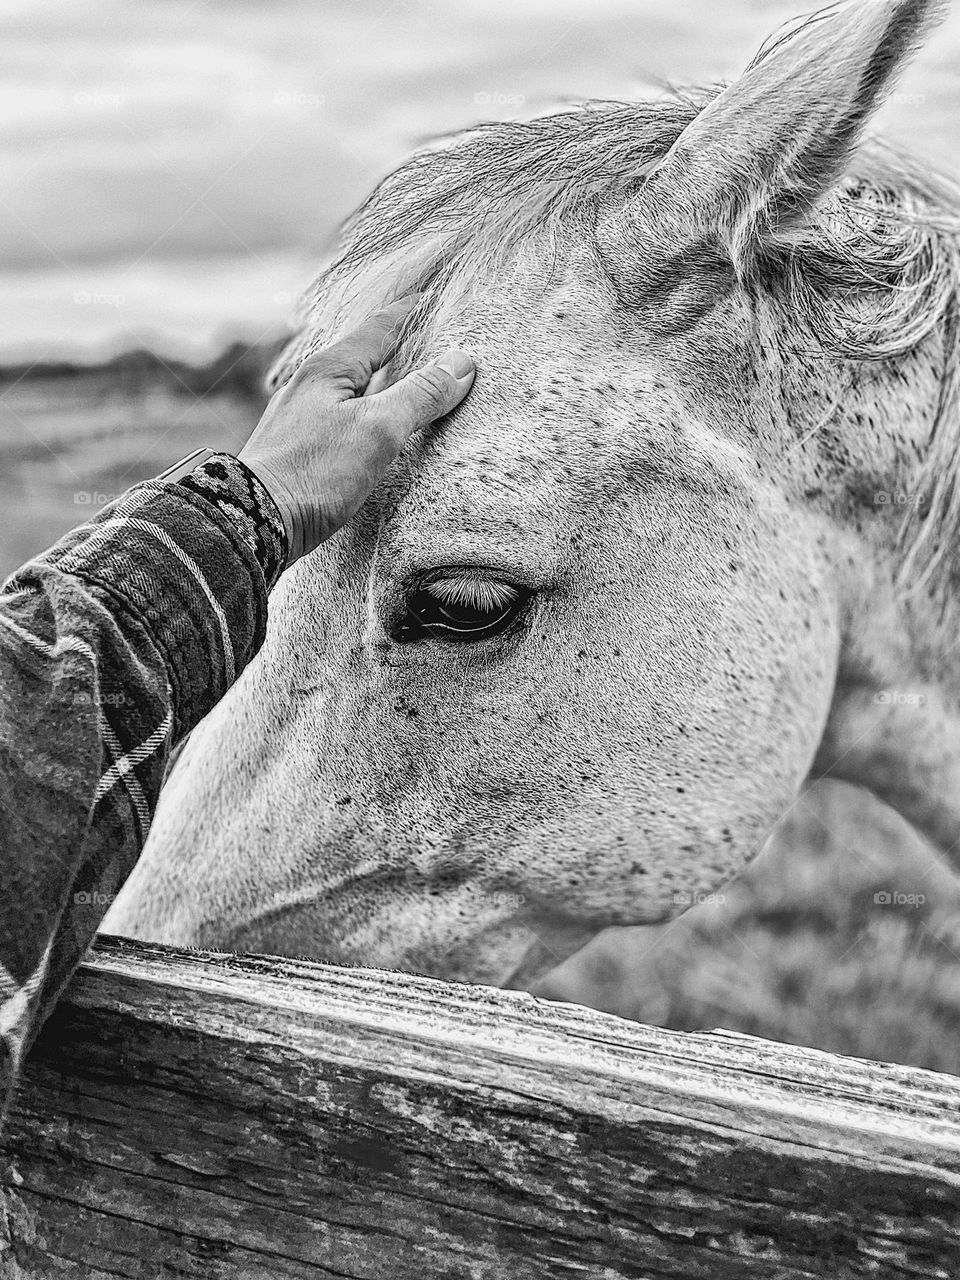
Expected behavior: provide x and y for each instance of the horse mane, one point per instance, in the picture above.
(458, 210)
(874, 272)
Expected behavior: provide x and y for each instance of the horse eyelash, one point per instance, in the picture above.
(480, 593)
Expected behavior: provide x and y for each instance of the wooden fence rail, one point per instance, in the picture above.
(197, 1115)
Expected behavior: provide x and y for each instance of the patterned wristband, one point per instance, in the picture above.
(234, 488)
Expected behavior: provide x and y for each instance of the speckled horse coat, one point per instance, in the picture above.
(689, 542)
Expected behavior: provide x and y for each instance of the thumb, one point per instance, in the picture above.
(424, 395)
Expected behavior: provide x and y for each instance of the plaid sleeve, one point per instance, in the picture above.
(113, 645)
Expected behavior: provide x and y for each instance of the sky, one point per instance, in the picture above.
(172, 172)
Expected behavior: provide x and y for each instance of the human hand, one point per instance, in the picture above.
(322, 445)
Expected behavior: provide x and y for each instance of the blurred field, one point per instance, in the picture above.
(72, 439)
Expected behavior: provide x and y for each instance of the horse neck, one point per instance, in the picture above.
(895, 722)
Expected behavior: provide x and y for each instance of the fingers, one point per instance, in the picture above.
(352, 359)
(423, 396)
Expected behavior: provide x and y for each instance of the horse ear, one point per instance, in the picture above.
(759, 156)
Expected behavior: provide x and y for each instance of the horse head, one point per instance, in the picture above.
(571, 663)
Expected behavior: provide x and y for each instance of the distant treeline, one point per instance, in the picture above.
(238, 369)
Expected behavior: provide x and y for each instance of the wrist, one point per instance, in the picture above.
(284, 501)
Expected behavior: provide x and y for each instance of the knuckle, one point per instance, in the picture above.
(336, 361)
(313, 369)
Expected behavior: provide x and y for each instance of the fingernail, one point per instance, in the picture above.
(456, 362)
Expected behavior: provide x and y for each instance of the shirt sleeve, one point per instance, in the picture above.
(113, 645)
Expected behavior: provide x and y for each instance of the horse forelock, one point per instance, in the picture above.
(448, 220)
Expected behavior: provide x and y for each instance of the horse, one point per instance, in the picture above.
(687, 546)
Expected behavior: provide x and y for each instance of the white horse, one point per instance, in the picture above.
(689, 543)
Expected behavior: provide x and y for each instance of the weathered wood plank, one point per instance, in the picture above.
(216, 1116)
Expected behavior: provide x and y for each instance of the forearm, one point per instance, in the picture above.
(113, 645)
(118, 640)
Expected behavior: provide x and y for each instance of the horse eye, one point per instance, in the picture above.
(462, 607)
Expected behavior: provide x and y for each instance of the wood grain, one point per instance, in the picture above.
(195, 1115)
